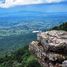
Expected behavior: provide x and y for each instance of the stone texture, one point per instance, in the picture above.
(50, 48)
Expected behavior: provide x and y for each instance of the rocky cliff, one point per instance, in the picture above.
(50, 48)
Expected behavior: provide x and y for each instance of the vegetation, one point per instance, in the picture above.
(61, 27)
(14, 42)
(22, 56)
(19, 58)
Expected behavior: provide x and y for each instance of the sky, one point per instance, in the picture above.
(11, 3)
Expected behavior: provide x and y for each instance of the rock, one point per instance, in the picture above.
(50, 48)
(64, 64)
(54, 37)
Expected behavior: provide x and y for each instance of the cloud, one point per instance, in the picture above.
(52, 1)
(10, 3)
(6, 4)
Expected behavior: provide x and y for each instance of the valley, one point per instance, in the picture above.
(19, 26)
(18, 34)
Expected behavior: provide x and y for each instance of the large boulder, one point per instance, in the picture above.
(50, 48)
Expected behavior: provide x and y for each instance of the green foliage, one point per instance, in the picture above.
(33, 63)
(61, 27)
(19, 58)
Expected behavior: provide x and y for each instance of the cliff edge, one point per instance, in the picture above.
(50, 48)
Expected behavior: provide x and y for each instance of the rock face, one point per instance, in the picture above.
(50, 48)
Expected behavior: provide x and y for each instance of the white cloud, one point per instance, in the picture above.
(50, 1)
(9, 3)
(22, 2)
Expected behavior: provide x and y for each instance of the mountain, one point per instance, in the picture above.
(17, 23)
(23, 58)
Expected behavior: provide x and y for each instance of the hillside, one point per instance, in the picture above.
(19, 58)
(22, 57)
(17, 33)
(61, 27)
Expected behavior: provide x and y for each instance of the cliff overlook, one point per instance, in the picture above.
(50, 48)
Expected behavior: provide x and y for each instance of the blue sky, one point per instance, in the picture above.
(11, 3)
(8, 7)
